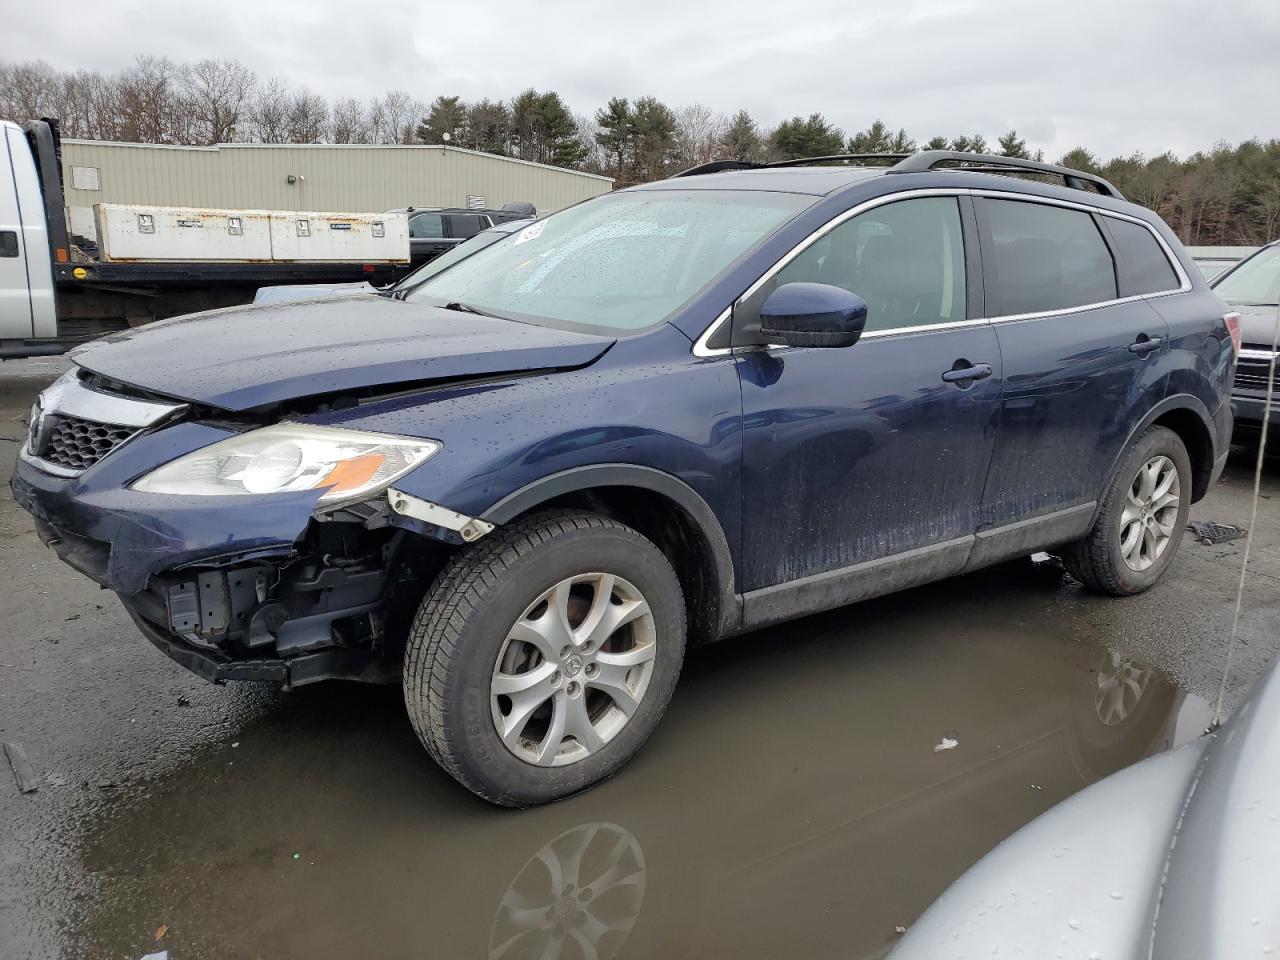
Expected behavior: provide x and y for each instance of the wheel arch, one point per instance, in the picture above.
(663, 508)
(1189, 418)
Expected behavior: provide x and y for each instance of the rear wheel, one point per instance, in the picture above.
(1142, 519)
(544, 655)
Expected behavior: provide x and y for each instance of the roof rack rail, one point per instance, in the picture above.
(985, 163)
(716, 166)
(805, 161)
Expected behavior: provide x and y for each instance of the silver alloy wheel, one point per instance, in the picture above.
(1150, 512)
(573, 669)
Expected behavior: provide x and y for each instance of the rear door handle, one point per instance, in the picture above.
(1144, 344)
(977, 371)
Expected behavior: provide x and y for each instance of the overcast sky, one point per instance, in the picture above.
(1115, 75)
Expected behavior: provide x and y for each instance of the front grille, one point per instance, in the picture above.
(78, 444)
(1251, 374)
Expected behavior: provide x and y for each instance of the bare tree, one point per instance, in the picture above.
(269, 112)
(349, 123)
(394, 117)
(218, 94)
(698, 134)
(308, 118)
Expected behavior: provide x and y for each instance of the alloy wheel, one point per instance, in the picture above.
(1150, 513)
(573, 669)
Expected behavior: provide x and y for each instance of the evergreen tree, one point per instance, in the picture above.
(741, 140)
(815, 137)
(617, 133)
(1013, 146)
(448, 115)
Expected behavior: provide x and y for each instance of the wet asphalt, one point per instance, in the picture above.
(793, 801)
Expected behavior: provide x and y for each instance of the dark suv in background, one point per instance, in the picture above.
(1253, 288)
(675, 412)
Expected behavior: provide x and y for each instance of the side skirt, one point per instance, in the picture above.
(874, 578)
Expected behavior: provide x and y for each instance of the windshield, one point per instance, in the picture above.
(622, 262)
(1257, 280)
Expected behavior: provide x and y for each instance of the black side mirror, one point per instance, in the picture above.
(812, 315)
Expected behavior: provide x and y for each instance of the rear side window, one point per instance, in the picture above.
(906, 259)
(1042, 258)
(426, 226)
(466, 224)
(1141, 265)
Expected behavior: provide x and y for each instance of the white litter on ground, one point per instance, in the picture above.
(946, 744)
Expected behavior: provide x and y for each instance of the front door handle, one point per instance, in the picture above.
(958, 374)
(1144, 344)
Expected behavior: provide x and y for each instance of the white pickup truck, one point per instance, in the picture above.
(156, 262)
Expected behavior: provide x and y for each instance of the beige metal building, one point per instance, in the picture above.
(352, 178)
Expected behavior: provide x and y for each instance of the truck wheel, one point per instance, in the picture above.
(1143, 516)
(542, 657)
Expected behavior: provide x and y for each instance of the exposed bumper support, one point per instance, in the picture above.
(469, 528)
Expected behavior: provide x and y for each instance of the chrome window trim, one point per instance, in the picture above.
(700, 348)
(1179, 272)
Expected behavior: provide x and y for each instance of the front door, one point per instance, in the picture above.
(863, 466)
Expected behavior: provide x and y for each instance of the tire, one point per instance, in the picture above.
(1099, 560)
(485, 606)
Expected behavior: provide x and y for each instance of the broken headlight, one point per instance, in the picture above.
(288, 457)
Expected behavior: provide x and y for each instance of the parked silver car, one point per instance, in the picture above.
(1177, 857)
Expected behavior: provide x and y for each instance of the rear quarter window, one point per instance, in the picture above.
(1141, 264)
(1037, 258)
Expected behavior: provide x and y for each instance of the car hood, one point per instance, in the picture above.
(246, 357)
(1176, 857)
(1257, 324)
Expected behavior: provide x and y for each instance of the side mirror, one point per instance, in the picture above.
(812, 315)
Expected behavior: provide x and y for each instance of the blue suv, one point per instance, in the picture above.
(671, 414)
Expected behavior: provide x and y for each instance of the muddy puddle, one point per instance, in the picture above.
(811, 788)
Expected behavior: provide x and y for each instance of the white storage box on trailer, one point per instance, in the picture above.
(367, 237)
(130, 233)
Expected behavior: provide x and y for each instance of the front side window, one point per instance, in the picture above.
(1141, 265)
(621, 262)
(1043, 258)
(426, 226)
(1255, 282)
(905, 259)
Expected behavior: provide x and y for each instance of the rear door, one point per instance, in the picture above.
(1082, 365)
(863, 466)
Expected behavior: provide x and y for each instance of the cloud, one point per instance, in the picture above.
(1143, 75)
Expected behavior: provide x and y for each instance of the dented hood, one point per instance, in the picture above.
(245, 357)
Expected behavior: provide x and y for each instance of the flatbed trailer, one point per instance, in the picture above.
(54, 296)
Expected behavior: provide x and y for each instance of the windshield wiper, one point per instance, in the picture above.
(468, 308)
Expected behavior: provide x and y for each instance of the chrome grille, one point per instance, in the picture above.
(78, 444)
(1251, 370)
(74, 425)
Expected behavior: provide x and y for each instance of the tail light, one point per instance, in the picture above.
(1232, 321)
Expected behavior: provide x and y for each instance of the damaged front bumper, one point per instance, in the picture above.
(245, 588)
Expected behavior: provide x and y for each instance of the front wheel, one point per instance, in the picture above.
(1141, 521)
(544, 655)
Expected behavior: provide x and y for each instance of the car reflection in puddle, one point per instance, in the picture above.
(790, 804)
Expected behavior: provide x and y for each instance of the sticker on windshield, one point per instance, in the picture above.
(531, 232)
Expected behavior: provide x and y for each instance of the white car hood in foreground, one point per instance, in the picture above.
(1177, 857)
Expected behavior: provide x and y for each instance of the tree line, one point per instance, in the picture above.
(1226, 195)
